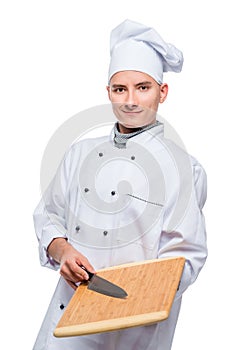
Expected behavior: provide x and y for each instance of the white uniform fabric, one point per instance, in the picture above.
(119, 206)
(134, 46)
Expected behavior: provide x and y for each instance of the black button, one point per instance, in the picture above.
(100, 154)
(86, 189)
(62, 306)
(77, 228)
(133, 157)
(113, 193)
(105, 233)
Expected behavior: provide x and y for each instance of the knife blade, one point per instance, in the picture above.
(103, 286)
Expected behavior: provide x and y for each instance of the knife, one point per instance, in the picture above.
(101, 285)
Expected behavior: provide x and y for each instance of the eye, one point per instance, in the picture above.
(143, 88)
(119, 90)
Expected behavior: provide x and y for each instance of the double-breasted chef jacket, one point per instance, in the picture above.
(120, 206)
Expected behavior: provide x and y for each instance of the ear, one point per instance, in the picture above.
(108, 90)
(163, 92)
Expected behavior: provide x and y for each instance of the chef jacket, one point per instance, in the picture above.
(119, 206)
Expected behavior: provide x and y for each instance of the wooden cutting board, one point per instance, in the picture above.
(151, 286)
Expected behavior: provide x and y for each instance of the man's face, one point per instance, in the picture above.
(135, 97)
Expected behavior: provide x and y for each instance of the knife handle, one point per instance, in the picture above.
(89, 273)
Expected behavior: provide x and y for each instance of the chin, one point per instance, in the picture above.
(131, 126)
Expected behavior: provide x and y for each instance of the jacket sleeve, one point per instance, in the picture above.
(188, 239)
(49, 215)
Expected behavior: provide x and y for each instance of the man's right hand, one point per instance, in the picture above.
(71, 261)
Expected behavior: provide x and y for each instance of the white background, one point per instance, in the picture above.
(54, 60)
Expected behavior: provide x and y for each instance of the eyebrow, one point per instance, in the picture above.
(144, 83)
(114, 86)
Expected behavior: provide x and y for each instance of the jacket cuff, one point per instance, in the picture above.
(45, 259)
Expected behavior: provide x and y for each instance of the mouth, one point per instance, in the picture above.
(132, 112)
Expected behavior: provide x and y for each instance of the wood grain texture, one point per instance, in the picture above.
(151, 286)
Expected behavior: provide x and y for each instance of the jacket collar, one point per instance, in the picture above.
(155, 132)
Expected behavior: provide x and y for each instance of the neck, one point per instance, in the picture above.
(124, 130)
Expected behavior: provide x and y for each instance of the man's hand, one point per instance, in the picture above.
(71, 261)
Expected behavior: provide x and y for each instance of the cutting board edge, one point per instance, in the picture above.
(107, 326)
(143, 262)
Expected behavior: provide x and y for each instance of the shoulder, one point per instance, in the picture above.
(182, 155)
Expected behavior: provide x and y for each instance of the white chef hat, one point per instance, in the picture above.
(134, 46)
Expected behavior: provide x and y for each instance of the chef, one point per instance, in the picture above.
(130, 196)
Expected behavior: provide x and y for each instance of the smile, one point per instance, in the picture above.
(132, 112)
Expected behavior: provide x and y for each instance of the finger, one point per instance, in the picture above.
(80, 272)
(86, 264)
(73, 272)
(70, 275)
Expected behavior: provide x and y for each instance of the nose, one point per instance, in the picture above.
(131, 101)
(130, 107)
